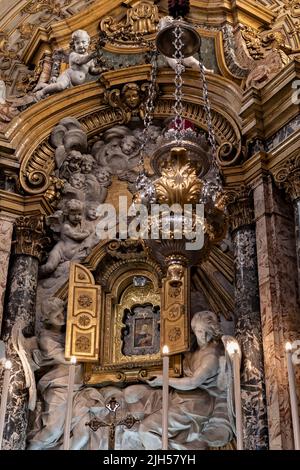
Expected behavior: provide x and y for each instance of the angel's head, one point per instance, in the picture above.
(206, 327)
(87, 164)
(53, 311)
(80, 41)
(74, 211)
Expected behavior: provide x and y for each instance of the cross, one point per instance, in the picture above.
(95, 423)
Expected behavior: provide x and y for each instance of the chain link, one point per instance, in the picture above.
(178, 95)
(149, 110)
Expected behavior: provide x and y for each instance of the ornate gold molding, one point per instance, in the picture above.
(136, 26)
(175, 319)
(240, 207)
(82, 102)
(83, 317)
(288, 177)
(30, 236)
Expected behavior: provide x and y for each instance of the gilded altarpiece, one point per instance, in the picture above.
(117, 334)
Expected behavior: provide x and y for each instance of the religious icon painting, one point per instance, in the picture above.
(141, 335)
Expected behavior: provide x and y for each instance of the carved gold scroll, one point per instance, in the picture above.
(83, 316)
(175, 315)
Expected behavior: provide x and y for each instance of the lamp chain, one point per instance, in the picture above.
(179, 69)
(217, 184)
(149, 110)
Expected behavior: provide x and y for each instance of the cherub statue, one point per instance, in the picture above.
(71, 235)
(53, 384)
(81, 63)
(71, 165)
(200, 412)
(74, 189)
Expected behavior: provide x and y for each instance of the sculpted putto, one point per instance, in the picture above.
(81, 63)
(72, 233)
(53, 384)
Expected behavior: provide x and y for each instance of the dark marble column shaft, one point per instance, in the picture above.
(20, 307)
(297, 236)
(22, 284)
(288, 177)
(248, 324)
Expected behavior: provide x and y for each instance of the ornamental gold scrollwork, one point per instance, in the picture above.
(139, 24)
(83, 316)
(130, 99)
(175, 315)
(30, 236)
(178, 184)
(240, 207)
(50, 8)
(288, 177)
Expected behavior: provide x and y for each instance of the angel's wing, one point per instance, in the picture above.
(29, 366)
(55, 221)
(229, 377)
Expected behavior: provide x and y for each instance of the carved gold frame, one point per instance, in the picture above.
(113, 366)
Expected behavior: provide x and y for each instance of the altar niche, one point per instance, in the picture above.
(124, 333)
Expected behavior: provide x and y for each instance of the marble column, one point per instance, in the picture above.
(6, 229)
(277, 269)
(20, 306)
(288, 177)
(248, 321)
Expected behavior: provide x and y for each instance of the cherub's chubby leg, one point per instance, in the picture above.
(54, 258)
(62, 83)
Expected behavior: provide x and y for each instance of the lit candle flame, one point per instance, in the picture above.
(8, 364)
(232, 348)
(288, 346)
(73, 360)
(165, 350)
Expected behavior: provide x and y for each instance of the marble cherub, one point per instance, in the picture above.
(81, 63)
(53, 384)
(72, 233)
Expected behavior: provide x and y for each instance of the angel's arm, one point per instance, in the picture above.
(205, 371)
(81, 59)
(74, 234)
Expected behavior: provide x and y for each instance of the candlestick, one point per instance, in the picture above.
(293, 396)
(4, 395)
(67, 429)
(234, 352)
(165, 398)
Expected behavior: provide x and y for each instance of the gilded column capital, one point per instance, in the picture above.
(288, 177)
(30, 236)
(240, 207)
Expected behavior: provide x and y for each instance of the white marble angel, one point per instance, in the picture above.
(200, 406)
(72, 233)
(53, 384)
(81, 63)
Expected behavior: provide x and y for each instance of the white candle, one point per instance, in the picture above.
(293, 396)
(233, 351)
(67, 429)
(4, 395)
(165, 398)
